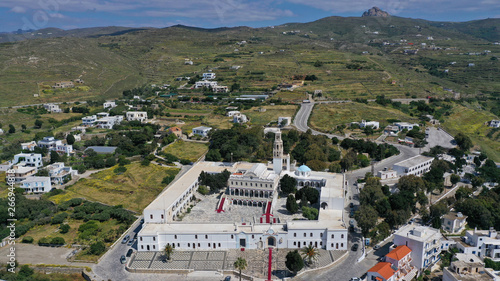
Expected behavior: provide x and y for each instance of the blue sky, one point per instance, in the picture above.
(69, 14)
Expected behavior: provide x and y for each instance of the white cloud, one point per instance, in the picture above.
(18, 10)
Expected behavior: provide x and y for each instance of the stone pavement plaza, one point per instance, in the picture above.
(257, 261)
(204, 211)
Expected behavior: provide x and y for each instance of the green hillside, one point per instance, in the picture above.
(358, 57)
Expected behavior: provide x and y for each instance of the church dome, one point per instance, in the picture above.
(304, 169)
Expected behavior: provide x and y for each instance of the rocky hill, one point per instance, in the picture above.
(375, 12)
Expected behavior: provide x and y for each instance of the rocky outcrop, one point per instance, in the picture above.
(375, 12)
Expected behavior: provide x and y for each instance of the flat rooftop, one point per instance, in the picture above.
(170, 195)
(414, 161)
(417, 232)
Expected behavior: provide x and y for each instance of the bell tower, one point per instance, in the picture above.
(279, 160)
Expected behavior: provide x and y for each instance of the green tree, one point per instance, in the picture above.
(288, 184)
(97, 248)
(70, 139)
(240, 264)
(54, 157)
(310, 213)
(12, 129)
(38, 124)
(213, 155)
(294, 261)
(463, 141)
(167, 251)
(25, 272)
(411, 183)
(310, 253)
(291, 204)
(454, 178)
(462, 193)
(366, 217)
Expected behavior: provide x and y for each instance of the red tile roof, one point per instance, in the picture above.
(384, 269)
(399, 253)
(174, 129)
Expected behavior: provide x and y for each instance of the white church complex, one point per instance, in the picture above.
(248, 214)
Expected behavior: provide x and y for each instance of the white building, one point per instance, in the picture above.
(201, 131)
(36, 184)
(102, 115)
(240, 118)
(109, 104)
(495, 123)
(483, 243)
(137, 116)
(58, 173)
(453, 222)
(232, 112)
(416, 165)
(208, 76)
(387, 174)
(220, 89)
(424, 242)
(284, 121)
(467, 267)
(28, 145)
(50, 107)
(21, 172)
(208, 84)
(374, 124)
(53, 144)
(109, 122)
(89, 121)
(405, 125)
(250, 186)
(28, 159)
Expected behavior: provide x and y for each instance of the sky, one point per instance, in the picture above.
(70, 14)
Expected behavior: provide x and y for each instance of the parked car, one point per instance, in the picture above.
(376, 247)
(228, 278)
(130, 242)
(129, 252)
(123, 259)
(351, 222)
(355, 247)
(355, 279)
(125, 239)
(351, 205)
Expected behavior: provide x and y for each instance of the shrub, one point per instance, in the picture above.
(203, 190)
(97, 248)
(57, 241)
(59, 218)
(43, 241)
(27, 239)
(64, 228)
(120, 170)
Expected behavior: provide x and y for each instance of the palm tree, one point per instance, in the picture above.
(240, 264)
(310, 253)
(168, 251)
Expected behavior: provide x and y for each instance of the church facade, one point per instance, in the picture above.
(250, 185)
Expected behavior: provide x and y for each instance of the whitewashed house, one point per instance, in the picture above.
(201, 131)
(28, 159)
(109, 104)
(137, 116)
(36, 184)
(89, 121)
